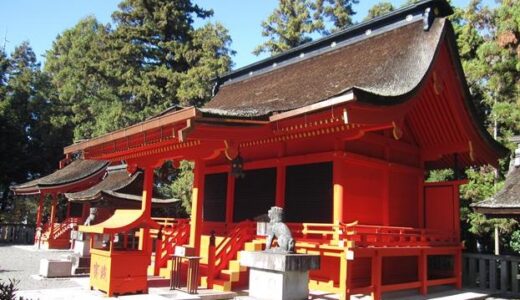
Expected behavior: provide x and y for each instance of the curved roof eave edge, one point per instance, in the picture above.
(447, 35)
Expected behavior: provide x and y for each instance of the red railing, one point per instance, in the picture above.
(392, 236)
(174, 233)
(221, 254)
(59, 230)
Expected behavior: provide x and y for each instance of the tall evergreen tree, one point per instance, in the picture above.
(290, 25)
(154, 58)
(153, 47)
(35, 144)
(88, 102)
(338, 13)
(379, 9)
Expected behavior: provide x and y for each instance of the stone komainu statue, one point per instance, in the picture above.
(91, 216)
(280, 231)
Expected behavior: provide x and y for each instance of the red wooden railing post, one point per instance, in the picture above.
(54, 203)
(158, 252)
(211, 260)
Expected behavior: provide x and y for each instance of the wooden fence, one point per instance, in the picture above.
(495, 273)
(17, 233)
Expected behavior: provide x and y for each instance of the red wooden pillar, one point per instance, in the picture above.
(337, 179)
(146, 207)
(420, 199)
(376, 275)
(280, 186)
(230, 199)
(457, 266)
(40, 211)
(456, 214)
(423, 272)
(38, 232)
(386, 196)
(197, 199)
(54, 204)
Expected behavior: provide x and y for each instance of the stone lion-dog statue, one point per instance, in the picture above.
(280, 231)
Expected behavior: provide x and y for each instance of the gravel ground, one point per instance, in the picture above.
(23, 263)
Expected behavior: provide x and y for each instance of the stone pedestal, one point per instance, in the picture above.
(278, 276)
(55, 268)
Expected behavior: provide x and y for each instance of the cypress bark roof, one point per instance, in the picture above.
(117, 184)
(506, 200)
(388, 62)
(76, 171)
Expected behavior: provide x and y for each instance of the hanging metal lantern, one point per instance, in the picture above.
(237, 167)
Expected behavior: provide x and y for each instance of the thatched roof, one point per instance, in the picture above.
(74, 172)
(117, 184)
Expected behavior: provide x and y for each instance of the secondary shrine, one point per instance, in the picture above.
(76, 175)
(340, 132)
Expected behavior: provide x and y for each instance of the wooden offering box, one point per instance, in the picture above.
(120, 267)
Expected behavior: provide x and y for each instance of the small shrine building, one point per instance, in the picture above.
(72, 176)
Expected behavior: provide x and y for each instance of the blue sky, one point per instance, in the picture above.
(39, 22)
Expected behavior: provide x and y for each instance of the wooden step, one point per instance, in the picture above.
(204, 282)
(221, 285)
(234, 265)
(229, 275)
(253, 246)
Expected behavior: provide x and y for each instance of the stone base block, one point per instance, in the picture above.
(279, 261)
(279, 276)
(273, 285)
(55, 268)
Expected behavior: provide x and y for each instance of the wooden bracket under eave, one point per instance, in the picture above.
(471, 152)
(231, 149)
(397, 130)
(185, 131)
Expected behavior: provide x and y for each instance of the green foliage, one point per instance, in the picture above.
(289, 25)
(379, 9)
(514, 243)
(440, 175)
(338, 13)
(292, 23)
(488, 42)
(22, 210)
(111, 78)
(182, 186)
(8, 289)
(88, 102)
(27, 105)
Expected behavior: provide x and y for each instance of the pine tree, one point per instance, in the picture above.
(338, 13)
(35, 144)
(289, 25)
(154, 46)
(88, 101)
(154, 58)
(379, 9)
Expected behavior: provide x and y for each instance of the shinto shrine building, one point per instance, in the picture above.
(341, 133)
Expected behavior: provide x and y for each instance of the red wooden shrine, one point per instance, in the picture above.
(72, 176)
(341, 132)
